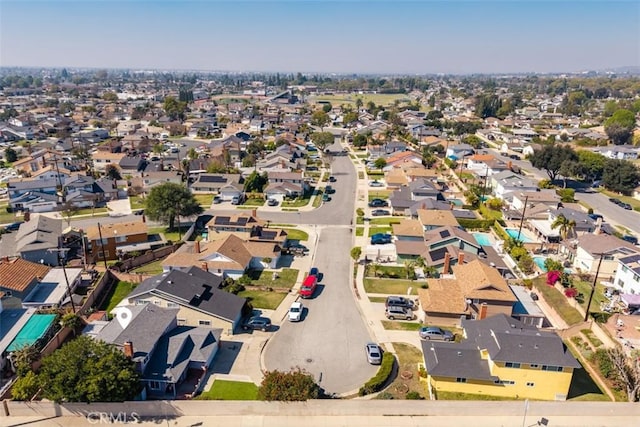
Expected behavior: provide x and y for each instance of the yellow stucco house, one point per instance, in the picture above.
(501, 356)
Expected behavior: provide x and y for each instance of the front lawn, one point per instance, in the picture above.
(204, 200)
(263, 299)
(384, 221)
(170, 234)
(230, 390)
(407, 379)
(253, 202)
(297, 203)
(286, 278)
(401, 326)
(359, 231)
(152, 268)
(376, 230)
(449, 395)
(116, 294)
(296, 234)
(390, 286)
(584, 288)
(379, 194)
(558, 301)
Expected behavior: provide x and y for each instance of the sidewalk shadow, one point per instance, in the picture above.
(226, 357)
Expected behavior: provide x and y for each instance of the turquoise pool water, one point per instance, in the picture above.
(483, 239)
(513, 232)
(539, 260)
(457, 202)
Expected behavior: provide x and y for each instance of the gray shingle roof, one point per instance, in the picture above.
(455, 361)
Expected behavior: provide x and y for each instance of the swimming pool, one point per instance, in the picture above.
(456, 202)
(513, 233)
(484, 239)
(539, 260)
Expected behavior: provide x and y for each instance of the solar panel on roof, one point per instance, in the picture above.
(445, 233)
(212, 178)
(438, 254)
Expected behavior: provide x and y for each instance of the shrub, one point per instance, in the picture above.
(526, 264)
(567, 195)
(545, 183)
(603, 362)
(551, 264)
(422, 372)
(518, 253)
(528, 283)
(570, 292)
(553, 277)
(297, 385)
(414, 395)
(380, 379)
(601, 316)
(476, 224)
(359, 212)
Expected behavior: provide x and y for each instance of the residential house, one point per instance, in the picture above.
(101, 159)
(39, 239)
(82, 191)
(34, 195)
(440, 247)
(548, 198)
(285, 184)
(232, 184)
(165, 353)
(627, 277)
(431, 219)
(132, 165)
(506, 182)
(241, 224)
(197, 296)
(413, 195)
(621, 152)
(55, 289)
(501, 356)
(459, 151)
(485, 165)
(19, 277)
(153, 179)
(589, 248)
(475, 290)
(403, 157)
(109, 241)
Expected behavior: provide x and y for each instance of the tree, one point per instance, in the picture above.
(68, 211)
(621, 176)
(25, 387)
(322, 139)
(428, 158)
(350, 117)
(360, 140)
(380, 163)
(487, 105)
(112, 172)
(255, 182)
(565, 226)
(356, 252)
(175, 109)
(10, 155)
(319, 118)
(87, 370)
(551, 157)
(167, 201)
(592, 164)
(72, 321)
(627, 371)
(327, 107)
(619, 127)
(110, 96)
(296, 385)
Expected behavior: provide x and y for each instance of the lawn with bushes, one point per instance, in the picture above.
(230, 390)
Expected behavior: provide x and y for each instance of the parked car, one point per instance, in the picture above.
(332, 178)
(380, 212)
(308, 286)
(272, 202)
(329, 190)
(139, 212)
(257, 322)
(399, 302)
(14, 226)
(326, 197)
(217, 200)
(295, 311)
(514, 157)
(596, 217)
(394, 312)
(378, 203)
(374, 353)
(435, 333)
(376, 184)
(626, 206)
(237, 200)
(631, 239)
(315, 272)
(614, 200)
(380, 239)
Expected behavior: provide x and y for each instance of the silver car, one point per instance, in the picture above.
(435, 333)
(394, 312)
(374, 353)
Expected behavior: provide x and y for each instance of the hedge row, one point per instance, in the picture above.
(476, 224)
(380, 379)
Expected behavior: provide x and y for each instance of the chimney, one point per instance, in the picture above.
(254, 213)
(197, 246)
(447, 261)
(482, 314)
(27, 216)
(144, 218)
(424, 206)
(128, 349)
(460, 258)
(204, 266)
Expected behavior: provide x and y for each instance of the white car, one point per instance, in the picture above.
(376, 184)
(295, 311)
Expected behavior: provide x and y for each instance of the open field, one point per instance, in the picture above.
(383, 99)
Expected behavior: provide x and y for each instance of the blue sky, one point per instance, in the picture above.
(323, 36)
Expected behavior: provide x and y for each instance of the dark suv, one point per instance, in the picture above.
(257, 322)
(378, 203)
(399, 302)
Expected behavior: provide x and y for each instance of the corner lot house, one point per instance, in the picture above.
(501, 356)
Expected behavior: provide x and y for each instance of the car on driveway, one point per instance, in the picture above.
(435, 333)
(374, 353)
(378, 203)
(380, 212)
(376, 184)
(272, 202)
(380, 239)
(13, 227)
(394, 312)
(295, 311)
(399, 302)
(257, 322)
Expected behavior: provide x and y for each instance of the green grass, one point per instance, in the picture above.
(377, 299)
(286, 278)
(384, 221)
(295, 234)
(117, 294)
(376, 230)
(204, 199)
(378, 98)
(360, 175)
(585, 289)
(390, 286)
(296, 203)
(449, 395)
(90, 211)
(152, 268)
(230, 390)
(401, 326)
(264, 299)
(359, 231)
(254, 202)
(558, 301)
(362, 156)
(489, 213)
(136, 202)
(317, 201)
(379, 194)
(359, 220)
(172, 234)
(6, 217)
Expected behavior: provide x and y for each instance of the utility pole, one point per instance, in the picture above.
(524, 210)
(104, 255)
(60, 250)
(593, 287)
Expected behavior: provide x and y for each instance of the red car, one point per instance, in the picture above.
(308, 286)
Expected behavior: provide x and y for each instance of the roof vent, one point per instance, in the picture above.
(459, 354)
(535, 346)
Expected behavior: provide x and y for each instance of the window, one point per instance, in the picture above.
(552, 368)
(461, 380)
(154, 385)
(204, 322)
(102, 242)
(531, 384)
(103, 254)
(512, 365)
(121, 239)
(504, 382)
(534, 366)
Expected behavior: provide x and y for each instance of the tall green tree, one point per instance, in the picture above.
(380, 163)
(592, 164)
(173, 108)
(551, 157)
(10, 155)
(487, 105)
(619, 127)
(86, 370)
(564, 225)
(255, 182)
(296, 385)
(322, 139)
(112, 172)
(621, 176)
(320, 118)
(167, 201)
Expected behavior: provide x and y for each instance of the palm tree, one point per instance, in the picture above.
(409, 267)
(566, 226)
